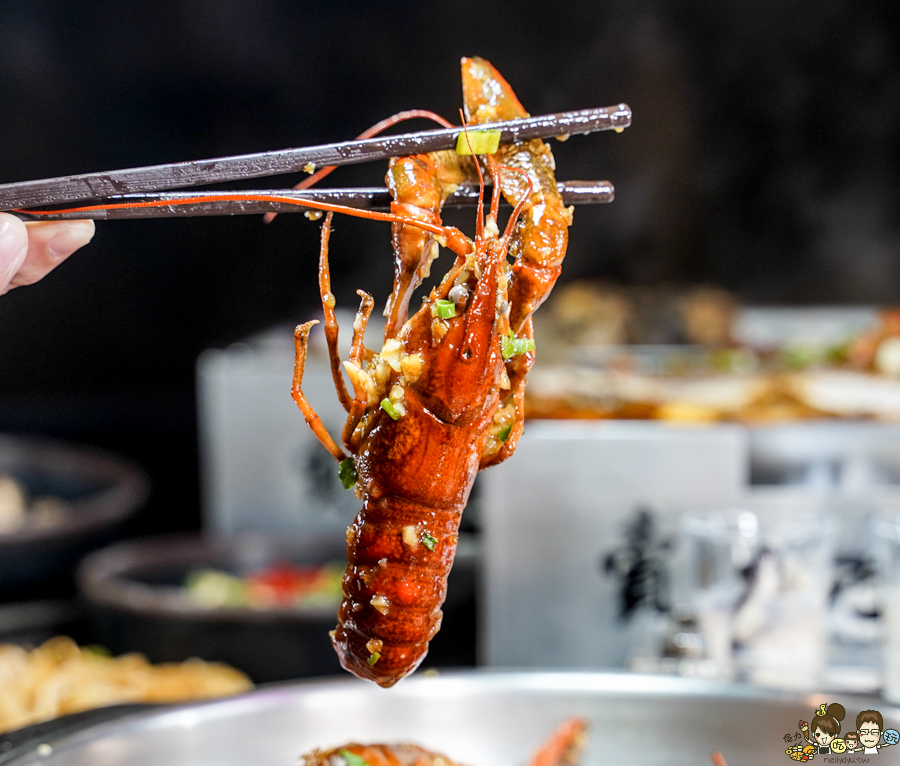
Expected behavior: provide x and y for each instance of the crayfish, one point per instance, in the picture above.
(562, 748)
(444, 396)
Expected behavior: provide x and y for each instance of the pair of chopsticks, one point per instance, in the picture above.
(147, 184)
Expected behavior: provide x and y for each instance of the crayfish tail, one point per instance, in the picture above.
(399, 553)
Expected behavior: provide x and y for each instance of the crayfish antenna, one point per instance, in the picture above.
(378, 127)
(479, 215)
(354, 365)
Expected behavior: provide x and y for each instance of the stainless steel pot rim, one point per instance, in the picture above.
(291, 718)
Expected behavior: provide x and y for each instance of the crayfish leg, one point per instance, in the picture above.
(301, 342)
(517, 370)
(419, 185)
(358, 377)
(564, 745)
(331, 325)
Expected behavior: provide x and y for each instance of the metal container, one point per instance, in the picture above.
(578, 530)
(481, 719)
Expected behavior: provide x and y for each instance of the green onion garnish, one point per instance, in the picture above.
(445, 309)
(347, 472)
(511, 346)
(503, 433)
(388, 406)
(352, 758)
(429, 541)
(481, 141)
(373, 658)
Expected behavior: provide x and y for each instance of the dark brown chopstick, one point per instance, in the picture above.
(72, 189)
(573, 193)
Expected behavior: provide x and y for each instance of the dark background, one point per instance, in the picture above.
(763, 158)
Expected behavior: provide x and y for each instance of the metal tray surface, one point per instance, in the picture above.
(477, 718)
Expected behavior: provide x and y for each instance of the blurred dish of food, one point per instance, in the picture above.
(696, 356)
(17, 509)
(282, 585)
(262, 603)
(57, 502)
(59, 677)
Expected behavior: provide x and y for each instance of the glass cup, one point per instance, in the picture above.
(757, 580)
(887, 558)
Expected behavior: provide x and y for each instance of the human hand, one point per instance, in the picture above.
(30, 251)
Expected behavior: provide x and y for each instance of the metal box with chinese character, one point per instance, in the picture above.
(578, 534)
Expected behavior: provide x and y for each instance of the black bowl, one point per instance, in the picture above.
(100, 492)
(134, 591)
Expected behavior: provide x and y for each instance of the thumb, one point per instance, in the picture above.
(13, 248)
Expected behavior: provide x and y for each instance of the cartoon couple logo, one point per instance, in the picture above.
(823, 734)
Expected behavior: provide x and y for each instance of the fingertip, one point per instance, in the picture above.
(71, 237)
(13, 247)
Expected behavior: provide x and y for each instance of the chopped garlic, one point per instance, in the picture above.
(410, 537)
(491, 228)
(433, 252)
(504, 380)
(361, 379)
(462, 277)
(367, 575)
(570, 214)
(382, 373)
(412, 366)
(328, 300)
(391, 352)
(438, 328)
(472, 265)
(380, 603)
(382, 563)
(313, 215)
(374, 645)
(309, 167)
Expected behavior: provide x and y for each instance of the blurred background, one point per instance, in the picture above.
(762, 163)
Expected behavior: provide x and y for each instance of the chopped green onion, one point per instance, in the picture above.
(347, 472)
(511, 346)
(504, 433)
(429, 541)
(445, 309)
(373, 658)
(388, 406)
(481, 141)
(352, 758)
